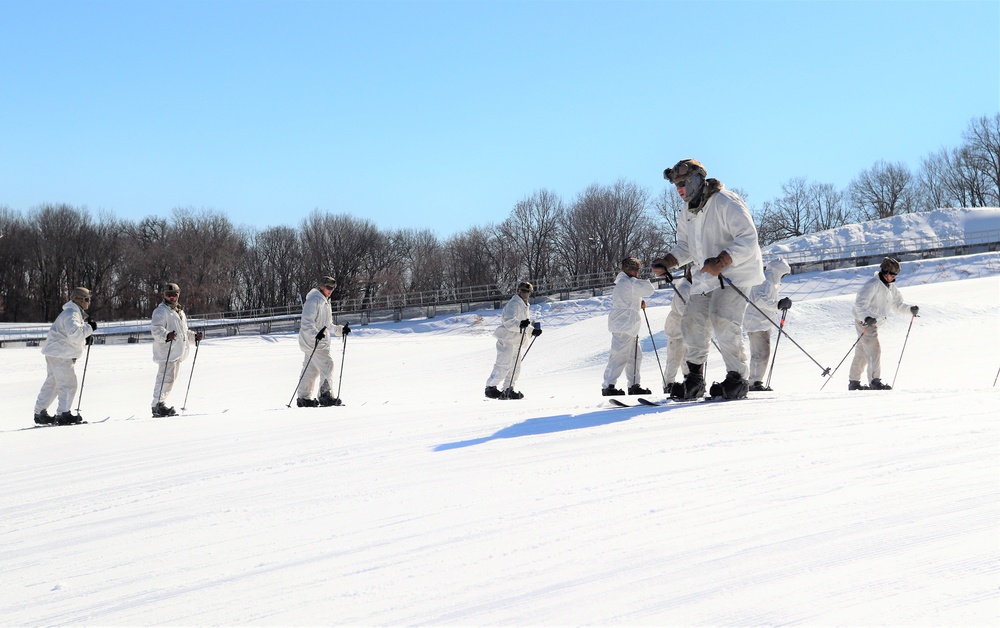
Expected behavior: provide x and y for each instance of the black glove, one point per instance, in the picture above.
(537, 331)
(321, 334)
(93, 323)
(347, 329)
(785, 304)
(870, 321)
(914, 309)
(525, 323)
(198, 335)
(171, 335)
(90, 340)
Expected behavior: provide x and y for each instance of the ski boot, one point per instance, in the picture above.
(162, 410)
(492, 392)
(611, 391)
(510, 393)
(878, 385)
(856, 385)
(693, 386)
(43, 418)
(759, 387)
(305, 402)
(636, 389)
(734, 386)
(67, 418)
(326, 399)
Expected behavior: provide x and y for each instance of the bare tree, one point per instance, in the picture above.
(15, 290)
(426, 262)
(982, 150)
(884, 190)
(531, 230)
(668, 206)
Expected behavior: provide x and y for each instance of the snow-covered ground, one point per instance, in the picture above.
(421, 502)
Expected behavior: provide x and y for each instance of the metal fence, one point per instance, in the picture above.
(404, 306)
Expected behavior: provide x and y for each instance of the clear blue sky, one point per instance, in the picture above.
(442, 115)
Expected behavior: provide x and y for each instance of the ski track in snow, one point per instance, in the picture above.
(420, 502)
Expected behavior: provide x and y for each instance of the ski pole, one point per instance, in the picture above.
(774, 357)
(197, 343)
(532, 343)
(663, 377)
(903, 349)
(670, 282)
(842, 360)
(340, 380)
(304, 368)
(826, 370)
(513, 369)
(83, 379)
(166, 364)
(996, 378)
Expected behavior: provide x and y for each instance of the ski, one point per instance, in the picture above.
(615, 403)
(647, 402)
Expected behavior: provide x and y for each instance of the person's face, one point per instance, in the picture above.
(890, 277)
(327, 290)
(682, 188)
(171, 297)
(83, 302)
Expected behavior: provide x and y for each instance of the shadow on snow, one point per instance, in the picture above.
(553, 424)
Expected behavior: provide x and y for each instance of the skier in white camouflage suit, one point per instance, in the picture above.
(758, 328)
(171, 342)
(514, 322)
(716, 231)
(624, 324)
(69, 334)
(315, 327)
(876, 299)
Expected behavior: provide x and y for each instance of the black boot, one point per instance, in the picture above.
(856, 385)
(510, 393)
(326, 399)
(161, 410)
(43, 418)
(611, 391)
(636, 389)
(305, 402)
(67, 418)
(734, 386)
(759, 387)
(878, 385)
(492, 392)
(693, 386)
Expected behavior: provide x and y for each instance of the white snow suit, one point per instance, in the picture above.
(877, 299)
(64, 343)
(723, 224)
(672, 328)
(168, 355)
(509, 339)
(316, 314)
(758, 328)
(624, 325)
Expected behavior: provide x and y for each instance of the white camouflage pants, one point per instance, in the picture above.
(166, 373)
(760, 354)
(868, 353)
(676, 351)
(721, 311)
(60, 381)
(321, 368)
(507, 366)
(624, 356)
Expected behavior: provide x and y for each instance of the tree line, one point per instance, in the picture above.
(224, 267)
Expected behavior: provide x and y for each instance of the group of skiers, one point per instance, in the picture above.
(709, 306)
(715, 230)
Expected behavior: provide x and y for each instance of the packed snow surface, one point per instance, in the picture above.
(421, 502)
